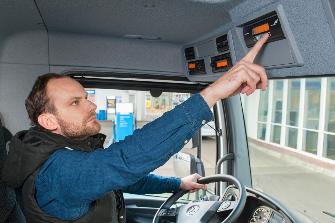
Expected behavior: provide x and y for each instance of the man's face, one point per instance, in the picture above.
(75, 114)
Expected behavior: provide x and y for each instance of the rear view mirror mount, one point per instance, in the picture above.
(155, 93)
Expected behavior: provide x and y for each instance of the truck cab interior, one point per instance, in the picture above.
(269, 157)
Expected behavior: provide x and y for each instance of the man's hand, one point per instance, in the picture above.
(245, 77)
(190, 183)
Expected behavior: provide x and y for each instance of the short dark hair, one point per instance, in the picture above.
(38, 101)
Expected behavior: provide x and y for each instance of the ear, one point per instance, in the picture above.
(48, 121)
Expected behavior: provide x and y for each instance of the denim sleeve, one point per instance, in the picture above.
(154, 184)
(74, 176)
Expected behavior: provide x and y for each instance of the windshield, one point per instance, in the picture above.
(291, 134)
(120, 112)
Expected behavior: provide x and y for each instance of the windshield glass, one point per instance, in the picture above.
(120, 112)
(291, 134)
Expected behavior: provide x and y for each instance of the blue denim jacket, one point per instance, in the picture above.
(70, 180)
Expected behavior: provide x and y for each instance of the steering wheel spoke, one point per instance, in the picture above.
(227, 206)
(169, 212)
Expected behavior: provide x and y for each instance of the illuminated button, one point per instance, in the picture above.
(191, 66)
(222, 63)
(261, 29)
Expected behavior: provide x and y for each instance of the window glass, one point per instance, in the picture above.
(261, 131)
(312, 103)
(293, 100)
(208, 154)
(277, 101)
(330, 107)
(142, 108)
(275, 133)
(292, 136)
(263, 106)
(287, 172)
(330, 146)
(311, 141)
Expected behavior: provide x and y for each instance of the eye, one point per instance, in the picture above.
(76, 102)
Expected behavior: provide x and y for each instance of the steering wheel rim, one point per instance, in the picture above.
(235, 212)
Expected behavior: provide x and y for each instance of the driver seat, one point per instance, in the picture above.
(10, 211)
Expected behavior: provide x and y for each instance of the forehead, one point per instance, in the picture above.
(64, 89)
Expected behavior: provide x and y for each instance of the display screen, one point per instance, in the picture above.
(191, 66)
(222, 63)
(261, 29)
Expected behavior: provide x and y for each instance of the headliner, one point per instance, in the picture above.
(174, 21)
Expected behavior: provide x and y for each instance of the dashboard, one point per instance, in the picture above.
(258, 208)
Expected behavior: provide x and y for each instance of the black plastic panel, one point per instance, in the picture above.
(189, 53)
(222, 43)
(269, 23)
(196, 67)
(221, 63)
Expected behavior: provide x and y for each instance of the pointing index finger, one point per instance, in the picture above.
(251, 55)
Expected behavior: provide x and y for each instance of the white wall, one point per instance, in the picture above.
(250, 108)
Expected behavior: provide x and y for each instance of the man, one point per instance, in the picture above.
(65, 174)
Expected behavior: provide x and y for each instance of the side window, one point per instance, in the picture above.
(291, 138)
(120, 112)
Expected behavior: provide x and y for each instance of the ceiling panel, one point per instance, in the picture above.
(18, 16)
(176, 21)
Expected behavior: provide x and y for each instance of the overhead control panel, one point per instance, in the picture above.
(269, 23)
(207, 60)
(280, 49)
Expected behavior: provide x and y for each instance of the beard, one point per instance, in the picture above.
(81, 130)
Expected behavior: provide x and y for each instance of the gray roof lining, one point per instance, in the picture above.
(18, 16)
(180, 21)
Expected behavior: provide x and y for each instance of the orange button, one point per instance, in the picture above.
(191, 66)
(222, 63)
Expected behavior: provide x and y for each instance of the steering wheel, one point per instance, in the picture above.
(202, 211)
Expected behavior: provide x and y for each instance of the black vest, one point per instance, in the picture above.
(34, 147)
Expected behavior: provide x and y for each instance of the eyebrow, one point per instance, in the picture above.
(78, 98)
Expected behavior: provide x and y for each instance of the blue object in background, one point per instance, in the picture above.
(102, 115)
(124, 126)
